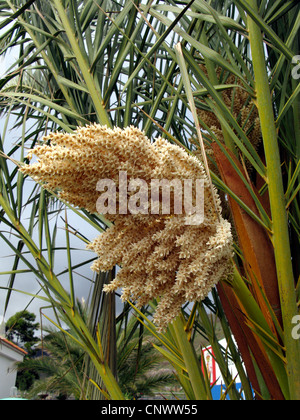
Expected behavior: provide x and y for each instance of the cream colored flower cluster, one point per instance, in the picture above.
(161, 257)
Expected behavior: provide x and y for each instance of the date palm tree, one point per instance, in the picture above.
(61, 365)
(219, 79)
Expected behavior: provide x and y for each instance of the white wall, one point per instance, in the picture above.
(8, 357)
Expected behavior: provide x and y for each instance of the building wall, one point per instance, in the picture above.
(8, 357)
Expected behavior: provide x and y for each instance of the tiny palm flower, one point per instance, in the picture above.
(161, 256)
